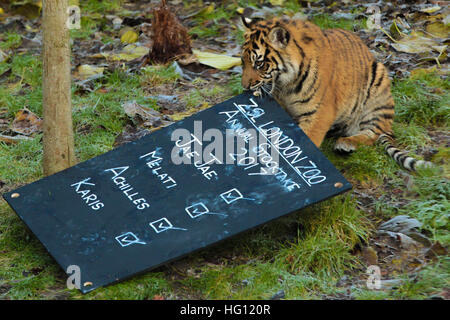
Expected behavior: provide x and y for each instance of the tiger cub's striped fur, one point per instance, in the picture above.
(327, 80)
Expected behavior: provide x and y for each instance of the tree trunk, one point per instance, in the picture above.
(58, 132)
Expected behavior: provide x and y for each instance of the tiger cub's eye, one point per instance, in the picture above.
(259, 64)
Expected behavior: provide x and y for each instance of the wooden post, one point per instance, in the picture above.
(57, 107)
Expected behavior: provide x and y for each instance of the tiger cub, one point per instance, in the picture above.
(327, 80)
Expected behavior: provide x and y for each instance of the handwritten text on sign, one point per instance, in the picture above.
(206, 178)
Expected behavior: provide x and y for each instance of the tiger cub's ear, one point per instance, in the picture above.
(279, 37)
(248, 22)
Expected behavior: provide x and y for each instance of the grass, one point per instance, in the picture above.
(328, 22)
(329, 232)
(425, 284)
(432, 204)
(304, 254)
(418, 100)
(159, 75)
(10, 40)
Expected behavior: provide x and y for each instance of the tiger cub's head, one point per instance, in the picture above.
(270, 54)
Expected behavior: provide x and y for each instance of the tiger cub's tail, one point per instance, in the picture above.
(401, 156)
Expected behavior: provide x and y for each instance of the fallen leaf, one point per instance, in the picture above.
(163, 98)
(419, 237)
(86, 71)
(129, 37)
(130, 52)
(406, 241)
(145, 116)
(438, 29)
(414, 43)
(446, 20)
(278, 295)
(129, 134)
(431, 9)
(401, 223)
(437, 249)
(276, 2)
(26, 123)
(206, 10)
(12, 140)
(218, 61)
(132, 108)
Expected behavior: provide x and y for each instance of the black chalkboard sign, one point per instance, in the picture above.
(213, 175)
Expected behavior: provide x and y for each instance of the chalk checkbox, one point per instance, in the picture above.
(231, 196)
(197, 210)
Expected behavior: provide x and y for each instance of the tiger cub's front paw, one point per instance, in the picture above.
(345, 145)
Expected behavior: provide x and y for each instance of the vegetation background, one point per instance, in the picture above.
(120, 94)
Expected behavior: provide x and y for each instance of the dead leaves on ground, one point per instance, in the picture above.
(404, 35)
(26, 123)
(145, 116)
(24, 126)
(411, 36)
(143, 120)
(398, 248)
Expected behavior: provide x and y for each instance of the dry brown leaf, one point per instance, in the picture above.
(26, 123)
(12, 140)
(145, 116)
(133, 108)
